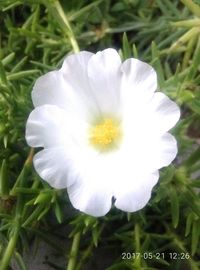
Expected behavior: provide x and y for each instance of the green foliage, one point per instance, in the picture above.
(34, 38)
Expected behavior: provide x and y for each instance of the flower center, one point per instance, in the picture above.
(105, 135)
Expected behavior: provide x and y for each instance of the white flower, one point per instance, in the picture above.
(103, 129)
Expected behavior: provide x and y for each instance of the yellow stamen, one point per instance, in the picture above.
(105, 135)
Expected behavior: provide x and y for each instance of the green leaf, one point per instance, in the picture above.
(126, 48)
(44, 197)
(22, 74)
(58, 212)
(192, 200)
(83, 10)
(157, 63)
(195, 183)
(4, 181)
(195, 235)
(19, 65)
(135, 51)
(189, 221)
(174, 201)
(43, 213)
(8, 59)
(95, 236)
(3, 77)
(35, 215)
(195, 105)
(20, 261)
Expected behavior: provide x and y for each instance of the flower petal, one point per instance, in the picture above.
(154, 153)
(93, 190)
(139, 82)
(104, 78)
(54, 166)
(67, 164)
(131, 198)
(40, 124)
(90, 197)
(50, 126)
(162, 151)
(50, 89)
(162, 113)
(67, 88)
(74, 70)
(141, 74)
(149, 151)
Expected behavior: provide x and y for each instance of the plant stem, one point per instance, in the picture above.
(194, 8)
(137, 260)
(57, 11)
(188, 52)
(10, 247)
(186, 23)
(17, 220)
(74, 251)
(193, 32)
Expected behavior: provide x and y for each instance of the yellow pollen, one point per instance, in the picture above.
(105, 135)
